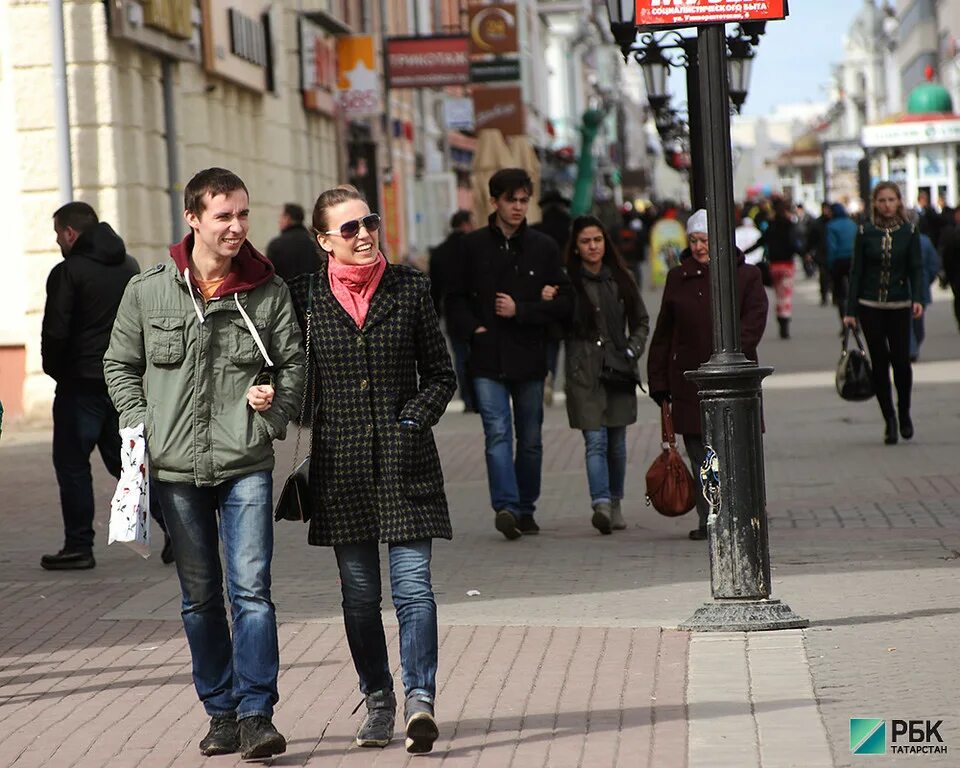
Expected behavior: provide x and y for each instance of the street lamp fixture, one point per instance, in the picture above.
(656, 71)
(623, 23)
(739, 66)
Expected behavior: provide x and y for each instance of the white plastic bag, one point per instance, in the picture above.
(130, 508)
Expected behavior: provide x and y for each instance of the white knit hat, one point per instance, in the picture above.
(697, 222)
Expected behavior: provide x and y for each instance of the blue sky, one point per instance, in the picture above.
(795, 56)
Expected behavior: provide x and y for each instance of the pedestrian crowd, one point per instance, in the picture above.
(214, 351)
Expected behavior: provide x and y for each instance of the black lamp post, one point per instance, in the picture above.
(729, 386)
(739, 65)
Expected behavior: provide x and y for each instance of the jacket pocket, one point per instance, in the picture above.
(418, 463)
(165, 340)
(243, 348)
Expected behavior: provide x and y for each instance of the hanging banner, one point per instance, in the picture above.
(318, 67)
(357, 79)
(427, 62)
(686, 13)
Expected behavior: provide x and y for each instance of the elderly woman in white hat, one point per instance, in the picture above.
(683, 339)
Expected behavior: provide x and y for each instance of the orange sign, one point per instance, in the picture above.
(391, 220)
(357, 77)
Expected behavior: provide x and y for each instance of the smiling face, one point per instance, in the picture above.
(362, 248)
(591, 247)
(222, 225)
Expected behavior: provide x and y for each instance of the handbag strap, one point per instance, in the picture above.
(668, 436)
(309, 383)
(857, 337)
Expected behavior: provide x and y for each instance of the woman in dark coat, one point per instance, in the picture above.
(611, 325)
(683, 340)
(886, 290)
(383, 379)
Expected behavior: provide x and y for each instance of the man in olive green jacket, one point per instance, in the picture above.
(206, 354)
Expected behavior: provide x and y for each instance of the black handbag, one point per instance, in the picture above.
(295, 500)
(854, 378)
(618, 370)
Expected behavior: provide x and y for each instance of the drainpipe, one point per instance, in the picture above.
(61, 104)
(173, 157)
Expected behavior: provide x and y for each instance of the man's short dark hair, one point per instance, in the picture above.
(507, 181)
(78, 216)
(460, 218)
(294, 212)
(216, 181)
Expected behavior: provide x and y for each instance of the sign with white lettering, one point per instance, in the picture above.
(912, 133)
(686, 13)
(357, 78)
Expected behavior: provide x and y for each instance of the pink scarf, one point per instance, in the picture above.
(355, 284)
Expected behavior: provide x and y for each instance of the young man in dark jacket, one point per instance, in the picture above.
(293, 252)
(496, 300)
(83, 293)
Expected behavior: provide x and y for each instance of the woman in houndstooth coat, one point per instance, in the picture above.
(382, 380)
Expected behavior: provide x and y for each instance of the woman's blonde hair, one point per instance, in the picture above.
(901, 212)
(330, 198)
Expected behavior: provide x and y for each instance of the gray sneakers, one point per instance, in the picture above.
(601, 517)
(616, 516)
(377, 727)
(421, 728)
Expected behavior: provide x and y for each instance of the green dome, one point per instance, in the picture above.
(929, 97)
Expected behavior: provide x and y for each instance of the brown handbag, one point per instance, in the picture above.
(671, 488)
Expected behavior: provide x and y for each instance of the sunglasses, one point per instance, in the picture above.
(350, 229)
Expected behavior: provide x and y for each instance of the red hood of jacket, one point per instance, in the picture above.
(249, 268)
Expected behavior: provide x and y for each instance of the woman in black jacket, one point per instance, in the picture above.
(383, 379)
(886, 290)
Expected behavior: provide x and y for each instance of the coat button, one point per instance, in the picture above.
(369, 429)
(360, 341)
(364, 383)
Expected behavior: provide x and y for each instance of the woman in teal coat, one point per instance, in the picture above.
(886, 291)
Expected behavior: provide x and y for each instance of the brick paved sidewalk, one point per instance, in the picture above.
(568, 656)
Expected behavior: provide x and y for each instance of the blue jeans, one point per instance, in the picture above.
(416, 613)
(238, 676)
(82, 421)
(606, 450)
(514, 484)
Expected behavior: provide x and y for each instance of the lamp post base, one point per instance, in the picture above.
(743, 616)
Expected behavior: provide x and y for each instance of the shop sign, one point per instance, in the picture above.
(318, 67)
(685, 13)
(912, 133)
(357, 79)
(428, 62)
(458, 113)
(500, 108)
(494, 44)
(237, 43)
(170, 27)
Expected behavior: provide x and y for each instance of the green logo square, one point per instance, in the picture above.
(868, 736)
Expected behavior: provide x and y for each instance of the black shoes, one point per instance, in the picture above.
(527, 525)
(377, 727)
(68, 560)
(697, 534)
(259, 739)
(223, 738)
(421, 728)
(784, 323)
(167, 554)
(506, 522)
(890, 431)
(906, 426)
